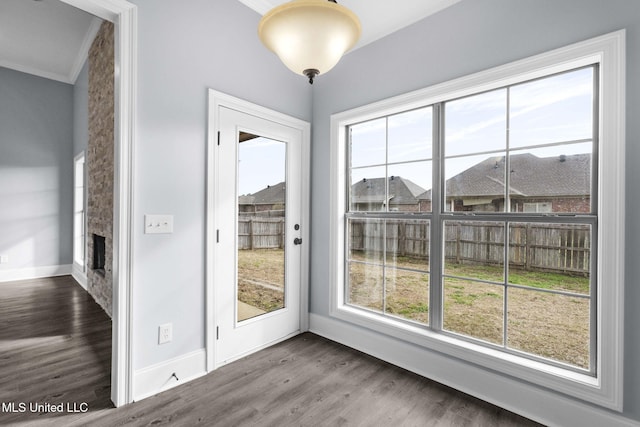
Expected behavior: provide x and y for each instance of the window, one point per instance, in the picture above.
(476, 213)
(78, 212)
(537, 207)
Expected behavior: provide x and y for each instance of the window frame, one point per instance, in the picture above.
(604, 389)
(79, 186)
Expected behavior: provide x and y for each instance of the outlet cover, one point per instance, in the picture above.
(4, 259)
(165, 333)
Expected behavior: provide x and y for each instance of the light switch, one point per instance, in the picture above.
(158, 224)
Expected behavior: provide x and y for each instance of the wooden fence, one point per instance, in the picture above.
(532, 246)
(260, 233)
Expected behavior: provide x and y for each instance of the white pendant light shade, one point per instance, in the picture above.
(309, 36)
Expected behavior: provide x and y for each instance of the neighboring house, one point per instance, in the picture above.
(271, 198)
(369, 195)
(537, 184)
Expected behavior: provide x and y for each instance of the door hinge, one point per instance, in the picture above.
(217, 332)
(217, 236)
(218, 137)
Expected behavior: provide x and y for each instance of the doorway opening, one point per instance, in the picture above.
(123, 15)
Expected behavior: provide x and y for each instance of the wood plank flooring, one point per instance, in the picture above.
(55, 345)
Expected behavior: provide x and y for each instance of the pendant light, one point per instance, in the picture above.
(309, 36)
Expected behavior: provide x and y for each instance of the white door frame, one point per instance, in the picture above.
(217, 100)
(124, 15)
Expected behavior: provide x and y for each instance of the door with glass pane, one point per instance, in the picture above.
(258, 234)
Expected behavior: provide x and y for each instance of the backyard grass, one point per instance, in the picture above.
(261, 278)
(549, 325)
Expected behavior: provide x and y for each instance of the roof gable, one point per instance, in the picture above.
(401, 190)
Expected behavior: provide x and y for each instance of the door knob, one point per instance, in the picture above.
(297, 241)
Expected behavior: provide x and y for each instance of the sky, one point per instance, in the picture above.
(261, 162)
(544, 115)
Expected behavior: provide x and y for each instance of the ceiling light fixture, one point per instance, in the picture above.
(309, 36)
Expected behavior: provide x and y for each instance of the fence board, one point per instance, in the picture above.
(260, 233)
(548, 247)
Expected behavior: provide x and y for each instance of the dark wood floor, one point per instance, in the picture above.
(55, 345)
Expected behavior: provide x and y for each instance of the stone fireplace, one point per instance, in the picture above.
(100, 168)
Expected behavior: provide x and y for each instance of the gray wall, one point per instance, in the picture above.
(36, 171)
(81, 111)
(472, 36)
(185, 48)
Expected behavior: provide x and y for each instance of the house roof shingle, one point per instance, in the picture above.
(530, 176)
(402, 191)
(271, 194)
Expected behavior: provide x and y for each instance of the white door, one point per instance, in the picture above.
(257, 253)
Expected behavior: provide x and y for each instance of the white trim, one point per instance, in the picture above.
(260, 6)
(254, 350)
(83, 52)
(159, 377)
(78, 273)
(124, 15)
(35, 272)
(34, 71)
(80, 268)
(217, 100)
(539, 404)
(609, 51)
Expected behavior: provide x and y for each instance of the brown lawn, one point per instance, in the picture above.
(545, 324)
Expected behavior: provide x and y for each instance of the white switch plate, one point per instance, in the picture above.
(4, 259)
(158, 224)
(165, 333)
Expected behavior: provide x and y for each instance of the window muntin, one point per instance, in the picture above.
(410, 136)
(562, 103)
(368, 143)
(481, 294)
(391, 161)
(476, 124)
(388, 267)
(536, 142)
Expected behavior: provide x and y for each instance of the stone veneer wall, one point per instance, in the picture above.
(99, 162)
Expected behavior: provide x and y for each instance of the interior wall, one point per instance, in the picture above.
(36, 168)
(469, 37)
(184, 49)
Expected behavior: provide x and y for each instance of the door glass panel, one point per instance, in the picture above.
(261, 225)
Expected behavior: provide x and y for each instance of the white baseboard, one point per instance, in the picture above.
(34, 272)
(516, 396)
(159, 377)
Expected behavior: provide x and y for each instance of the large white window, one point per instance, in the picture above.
(79, 233)
(481, 217)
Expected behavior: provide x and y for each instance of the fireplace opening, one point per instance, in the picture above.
(99, 249)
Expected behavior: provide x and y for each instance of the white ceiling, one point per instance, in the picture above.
(47, 38)
(378, 17)
(51, 39)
